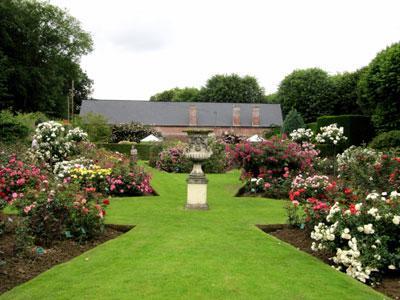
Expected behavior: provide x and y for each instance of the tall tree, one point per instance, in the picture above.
(187, 94)
(379, 89)
(346, 92)
(311, 92)
(232, 88)
(42, 45)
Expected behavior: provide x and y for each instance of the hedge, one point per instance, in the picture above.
(145, 150)
(386, 140)
(312, 126)
(358, 129)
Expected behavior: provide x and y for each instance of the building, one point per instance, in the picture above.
(171, 118)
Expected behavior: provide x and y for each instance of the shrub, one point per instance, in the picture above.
(229, 137)
(133, 132)
(386, 140)
(313, 126)
(52, 144)
(358, 129)
(121, 148)
(275, 162)
(17, 177)
(172, 159)
(292, 121)
(146, 150)
(363, 235)
(62, 212)
(96, 125)
(368, 170)
(12, 129)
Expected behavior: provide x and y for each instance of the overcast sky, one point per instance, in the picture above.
(145, 46)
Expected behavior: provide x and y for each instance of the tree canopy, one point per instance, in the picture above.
(309, 91)
(219, 88)
(40, 49)
(379, 89)
(232, 88)
(187, 94)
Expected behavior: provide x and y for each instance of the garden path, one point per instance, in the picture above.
(178, 254)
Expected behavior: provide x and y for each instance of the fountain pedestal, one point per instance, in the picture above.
(198, 151)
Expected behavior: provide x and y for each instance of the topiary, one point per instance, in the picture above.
(293, 121)
(386, 140)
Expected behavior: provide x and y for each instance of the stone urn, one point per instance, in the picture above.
(198, 151)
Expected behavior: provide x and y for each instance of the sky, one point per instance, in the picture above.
(144, 47)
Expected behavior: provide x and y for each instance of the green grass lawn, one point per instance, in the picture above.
(178, 254)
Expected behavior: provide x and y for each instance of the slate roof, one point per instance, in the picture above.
(177, 113)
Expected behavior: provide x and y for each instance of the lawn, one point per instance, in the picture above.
(178, 254)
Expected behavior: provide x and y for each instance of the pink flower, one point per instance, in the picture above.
(295, 203)
(14, 195)
(267, 185)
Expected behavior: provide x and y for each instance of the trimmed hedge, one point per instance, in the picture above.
(358, 129)
(313, 126)
(386, 140)
(145, 150)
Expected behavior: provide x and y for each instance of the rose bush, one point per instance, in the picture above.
(60, 212)
(276, 161)
(16, 177)
(364, 236)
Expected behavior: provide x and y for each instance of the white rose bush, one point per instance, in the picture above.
(53, 144)
(331, 134)
(363, 236)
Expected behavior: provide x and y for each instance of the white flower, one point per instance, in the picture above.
(396, 220)
(391, 267)
(368, 229)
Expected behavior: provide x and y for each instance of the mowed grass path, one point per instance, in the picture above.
(178, 254)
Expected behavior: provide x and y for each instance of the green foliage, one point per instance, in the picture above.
(379, 89)
(12, 129)
(292, 121)
(386, 140)
(145, 150)
(115, 147)
(271, 132)
(232, 88)
(40, 49)
(358, 129)
(95, 125)
(133, 132)
(172, 159)
(346, 96)
(271, 98)
(310, 92)
(313, 126)
(186, 94)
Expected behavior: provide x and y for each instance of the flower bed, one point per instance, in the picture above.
(268, 167)
(353, 216)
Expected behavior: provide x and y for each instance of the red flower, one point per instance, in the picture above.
(106, 201)
(353, 209)
(347, 191)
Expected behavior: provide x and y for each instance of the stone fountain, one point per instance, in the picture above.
(198, 151)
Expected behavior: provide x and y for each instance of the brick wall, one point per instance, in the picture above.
(172, 132)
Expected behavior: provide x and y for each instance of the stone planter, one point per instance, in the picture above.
(198, 151)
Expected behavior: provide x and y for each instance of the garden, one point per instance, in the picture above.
(70, 206)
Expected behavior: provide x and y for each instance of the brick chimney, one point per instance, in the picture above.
(255, 116)
(236, 116)
(192, 115)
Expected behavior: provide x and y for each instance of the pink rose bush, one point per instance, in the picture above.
(16, 177)
(268, 167)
